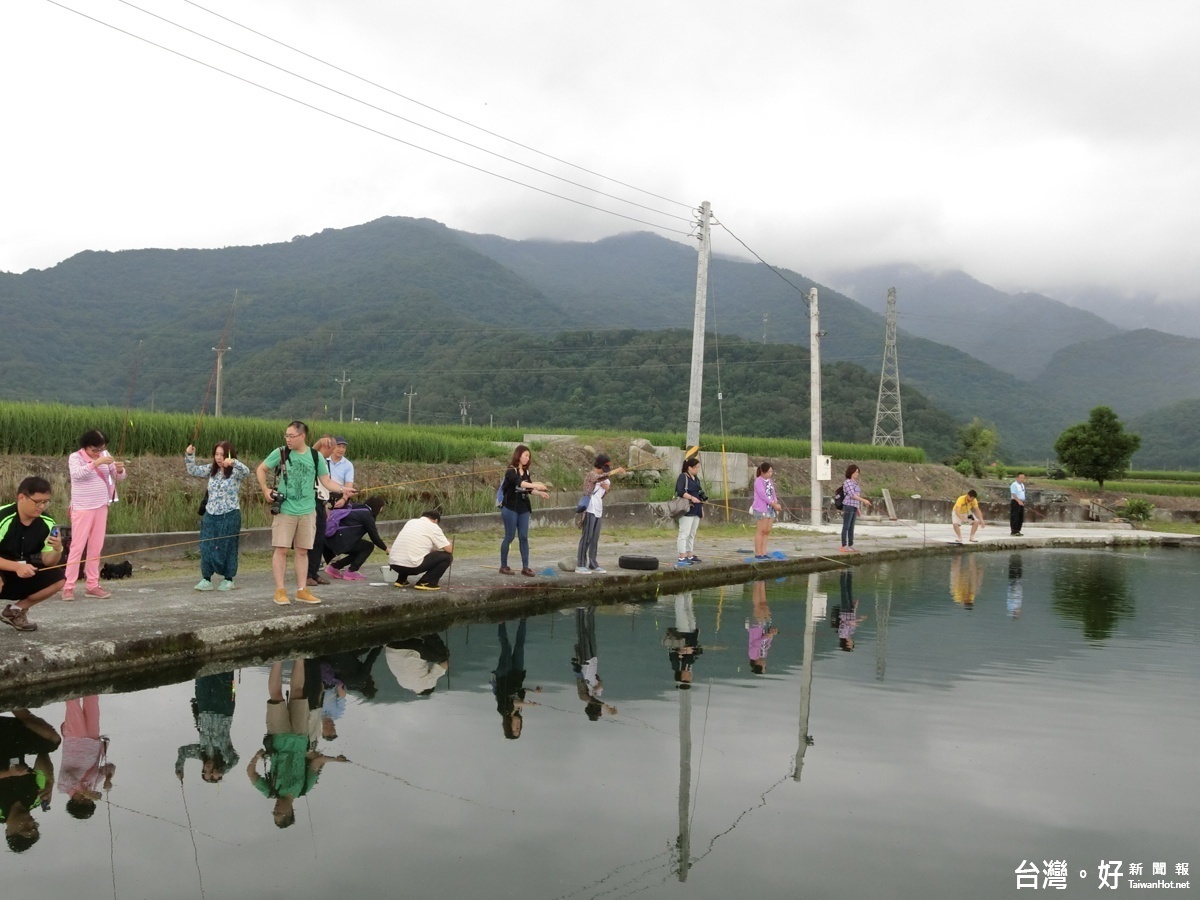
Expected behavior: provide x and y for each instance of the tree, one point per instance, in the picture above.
(976, 448)
(1098, 449)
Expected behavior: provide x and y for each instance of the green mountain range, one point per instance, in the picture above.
(549, 334)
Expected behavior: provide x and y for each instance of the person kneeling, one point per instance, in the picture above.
(421, 548)
(30, 550)
(350, 533)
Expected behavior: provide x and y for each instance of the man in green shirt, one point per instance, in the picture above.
(300, 468)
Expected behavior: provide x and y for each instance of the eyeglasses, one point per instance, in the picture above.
(289, 436)
(40, 504)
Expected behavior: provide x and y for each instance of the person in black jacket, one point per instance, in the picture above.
(356, 533)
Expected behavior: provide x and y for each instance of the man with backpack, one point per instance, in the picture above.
(298, 470)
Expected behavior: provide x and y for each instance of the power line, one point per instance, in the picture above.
(434, 109)
(395, 115)
(364, 127)
(803, 294)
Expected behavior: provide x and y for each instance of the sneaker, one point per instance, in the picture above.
(98, 592)
(281, 597)
(68, 593)
(15, 616)
(581, 570)
(599, 571)
(332, 572)
(694, 559)
(683, 562)
(426, 587)
(354, 576)
(851, 550)
(304, 595)
(847, 549)
(401, 583)
(204, 585)
(1016, 534)
(225, 585)
(758, 558)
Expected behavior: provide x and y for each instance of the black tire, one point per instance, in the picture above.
(644, 563)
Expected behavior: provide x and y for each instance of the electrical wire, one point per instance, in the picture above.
(363, 126)
(394, 115)
(434, 109)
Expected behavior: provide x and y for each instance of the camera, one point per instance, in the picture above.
(276, 501)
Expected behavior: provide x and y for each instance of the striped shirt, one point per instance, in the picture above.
(92, 486)
(852, 491)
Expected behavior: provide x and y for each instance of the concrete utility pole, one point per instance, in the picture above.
(814, 400)
(889, 419)
(343, 381)
(410, 393)
(697, 381)
(463, 406)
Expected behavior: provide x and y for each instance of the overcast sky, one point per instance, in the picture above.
(1036, 145)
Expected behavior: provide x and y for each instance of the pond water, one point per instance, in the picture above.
(968, 717)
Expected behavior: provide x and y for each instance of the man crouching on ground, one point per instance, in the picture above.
(421, 548)
(30, 550)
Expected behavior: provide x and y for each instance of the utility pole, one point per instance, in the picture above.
(814, 401)
(889, 421)
(697, 380)
(764, 328)
(463, 406)
(410, 393)
(220, 351)
(343, 381)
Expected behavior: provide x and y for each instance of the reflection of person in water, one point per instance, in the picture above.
(965, 581)
(353, 669)
(21, 787)
(84, 757)
(848, 618)
(508, 681)
(586, 665)
(212, 712)
(1016, 594)
(759, 628)
(418, 663)
(683, 641)
(292, 768)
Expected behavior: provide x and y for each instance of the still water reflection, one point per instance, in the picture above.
(871, 733)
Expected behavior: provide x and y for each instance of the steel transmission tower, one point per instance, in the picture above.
(889, 422)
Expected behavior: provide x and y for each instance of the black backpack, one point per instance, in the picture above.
(839, 497)
(281, 469)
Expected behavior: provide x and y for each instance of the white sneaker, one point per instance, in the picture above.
(580, 570)
(599, 571)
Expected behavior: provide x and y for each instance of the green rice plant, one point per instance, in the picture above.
(52, 429)
(778, 448)
(1136, 487)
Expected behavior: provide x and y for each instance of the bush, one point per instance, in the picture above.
(966, 468)
(1137, 510)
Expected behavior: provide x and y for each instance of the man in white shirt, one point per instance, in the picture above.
(421, 548)
(1016, 507)
(341, 469)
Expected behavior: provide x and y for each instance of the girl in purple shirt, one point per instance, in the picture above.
(764, 508)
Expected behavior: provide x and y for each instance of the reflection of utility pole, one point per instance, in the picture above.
(882, 614)
(684, 842)
(806, 673)
(463, 406)
(410, 393)
(343, 381)
(220, 351)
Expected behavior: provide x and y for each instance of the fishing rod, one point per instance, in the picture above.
(137, 358)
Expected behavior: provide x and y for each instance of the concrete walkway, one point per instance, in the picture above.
(156, 627)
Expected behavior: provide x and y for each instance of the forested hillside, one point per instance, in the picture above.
(551, 334)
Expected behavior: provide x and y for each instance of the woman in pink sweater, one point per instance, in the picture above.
(94, 477)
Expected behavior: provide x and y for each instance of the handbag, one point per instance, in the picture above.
(582, 505)
(678, 506)
(203, 504)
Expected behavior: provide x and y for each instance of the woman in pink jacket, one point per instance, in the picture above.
(94, 477)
